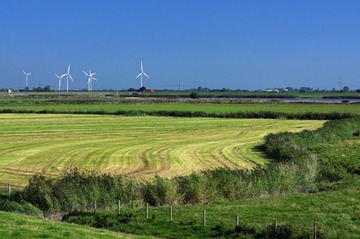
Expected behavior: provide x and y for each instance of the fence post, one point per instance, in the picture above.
(95, 207)
(315, 231)
(275, 226)
(147, 210)
(9, 190)
(119, 207)
(171, 213)
(204, 218)
(237, 220)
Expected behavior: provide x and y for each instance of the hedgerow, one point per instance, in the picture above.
(174, 113)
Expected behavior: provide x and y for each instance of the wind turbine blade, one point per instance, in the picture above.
(86, 73)
(141, 66)
(57, 76)
(24, 72)
(146, 75)
(138, 75)
(94, 78)
(68, 71)
(71, 77)
(29, 73)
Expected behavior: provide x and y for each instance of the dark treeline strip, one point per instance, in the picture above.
(236, 115)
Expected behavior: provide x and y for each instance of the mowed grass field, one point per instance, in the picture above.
(50, 144)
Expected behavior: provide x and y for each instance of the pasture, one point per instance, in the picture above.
(99, 102)
(50, 144)
(19, 226)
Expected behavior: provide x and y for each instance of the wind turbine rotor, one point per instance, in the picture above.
(146, 75)
(90, 77)
(26, 78)
(141, 74)
(59, 78)
(71, 78)
(86, 73)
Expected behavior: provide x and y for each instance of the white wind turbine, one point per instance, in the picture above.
(141, 74)
(67, 74)
(90, 77)
(26, 79)
(60, 78)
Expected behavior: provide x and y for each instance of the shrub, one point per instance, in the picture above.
(194, 95)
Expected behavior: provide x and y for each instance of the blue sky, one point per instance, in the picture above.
(237, 44)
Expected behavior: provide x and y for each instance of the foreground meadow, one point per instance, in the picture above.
(50, 144)
(23, 227)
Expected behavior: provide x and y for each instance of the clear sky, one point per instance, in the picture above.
(237, 44)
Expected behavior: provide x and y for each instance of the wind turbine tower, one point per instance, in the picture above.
(27, 79)
(341, 84)
(59, 78)
(141, 74)
(90, 77)
(67, 74)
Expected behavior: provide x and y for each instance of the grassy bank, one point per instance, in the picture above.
(19, 226)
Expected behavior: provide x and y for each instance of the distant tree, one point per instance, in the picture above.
(358, 90)
(290, 89)
(142, 89)
(199, 89)
(47, 88)
(194, 95)
(305, 89)
(345, 89)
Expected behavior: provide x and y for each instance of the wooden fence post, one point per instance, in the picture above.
(9, 190)
(275, 226)
(95, 207)
(237, 220)
(315, 231)
(171, 213)
(147, 210)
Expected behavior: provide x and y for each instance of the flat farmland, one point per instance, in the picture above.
(50, 144)
(114, 107)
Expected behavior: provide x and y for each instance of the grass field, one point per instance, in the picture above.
(141, 146)
(192, 107)
(14, 225)
(335, 213)
(100, 102)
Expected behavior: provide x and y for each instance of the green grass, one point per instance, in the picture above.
(187, 93)
(50, 144)
(337, 214)
(98, 101)
(19, 226)
(185, 107)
